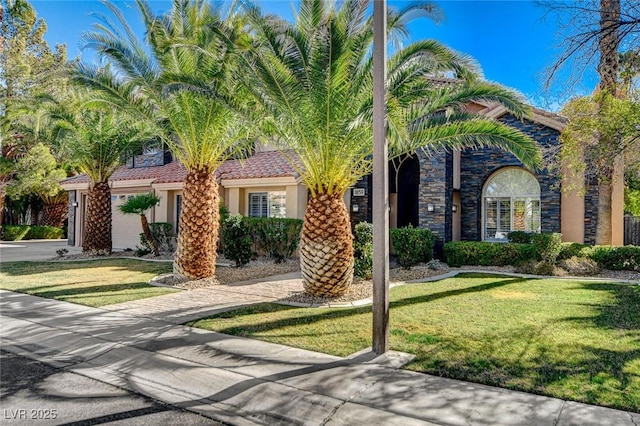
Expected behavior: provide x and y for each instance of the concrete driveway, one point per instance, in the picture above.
(12, 251)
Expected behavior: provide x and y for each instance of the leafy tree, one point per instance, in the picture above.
(38, 173)
(97, 140)
(313, 80)
(28, 69)
(593, 120)
(180, 74)
(594, 32)
(139, 204)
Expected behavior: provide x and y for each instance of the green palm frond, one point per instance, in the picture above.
(313, 80)
(467, 131)
(178, 75)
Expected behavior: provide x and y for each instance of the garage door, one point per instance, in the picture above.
(126, 228)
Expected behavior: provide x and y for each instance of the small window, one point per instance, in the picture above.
(267, 204)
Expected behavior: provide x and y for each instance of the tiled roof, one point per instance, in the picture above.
(267, 164)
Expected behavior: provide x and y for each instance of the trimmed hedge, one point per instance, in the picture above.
(31, 232)
(482, 253)
(277, 237)
(569, 250)
(363, 250)
(412, 245)
(44, 233)
(520, 237)
(548, 246)
(14, 232)
(616, 258)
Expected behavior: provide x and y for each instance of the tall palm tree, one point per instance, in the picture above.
(97, 140)
(608, 66)
(313, 78)
(179, 75)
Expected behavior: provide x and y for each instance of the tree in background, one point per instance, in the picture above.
(592, 120)
(39, 173)
(314, 82)
(139, 204)
(594, 33)
(181, 76)
(28, 69)
(97, 139)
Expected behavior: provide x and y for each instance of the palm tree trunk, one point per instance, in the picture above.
(608, 46)
(603, 226)
(3, 193)
(198, 227)
(326, 247)
(54, 214)
(147, 234)
(97, 238)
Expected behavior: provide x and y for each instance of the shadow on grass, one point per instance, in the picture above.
(308, 317)
(603, 372)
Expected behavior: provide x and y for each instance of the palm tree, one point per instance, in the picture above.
(139, 204)
(179, 75)
(608, 66)
(96, 140)
(313, 79)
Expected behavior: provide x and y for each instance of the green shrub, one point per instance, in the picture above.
(482, 253)
(163, 235)
(277, 237)
(616, 258)
(412, 245)
(520, 237)
(44, 233)
(14, 232)
(547, 245)
(237, 240)
(569, 250)
(363, 250)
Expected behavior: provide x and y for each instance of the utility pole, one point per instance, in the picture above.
(380, 192)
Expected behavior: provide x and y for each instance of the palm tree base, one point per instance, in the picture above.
(326, 247)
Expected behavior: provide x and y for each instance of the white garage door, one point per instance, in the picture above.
(126, 228)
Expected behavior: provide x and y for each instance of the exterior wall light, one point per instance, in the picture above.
(355, 208)
(430, 207)
(74, 204)
(454, 208)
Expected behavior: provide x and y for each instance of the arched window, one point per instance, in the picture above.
(511, 202)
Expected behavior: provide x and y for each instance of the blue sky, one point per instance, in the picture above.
(509, 39)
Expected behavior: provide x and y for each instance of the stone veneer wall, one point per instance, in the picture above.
(590, 213)
(364, 214)
(436, 187)
(476, 166)
(71, 219)
(158, 158)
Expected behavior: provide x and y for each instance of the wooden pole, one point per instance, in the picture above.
(380, 192)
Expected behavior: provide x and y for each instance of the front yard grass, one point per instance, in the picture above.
(576, 340)
(92, 283)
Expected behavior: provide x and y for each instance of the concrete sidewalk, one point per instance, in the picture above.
(242, 381)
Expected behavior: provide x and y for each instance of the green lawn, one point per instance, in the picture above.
(576, 340)
(91, 283)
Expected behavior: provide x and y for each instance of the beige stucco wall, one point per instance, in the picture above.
(236, 198)
(572, 207)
